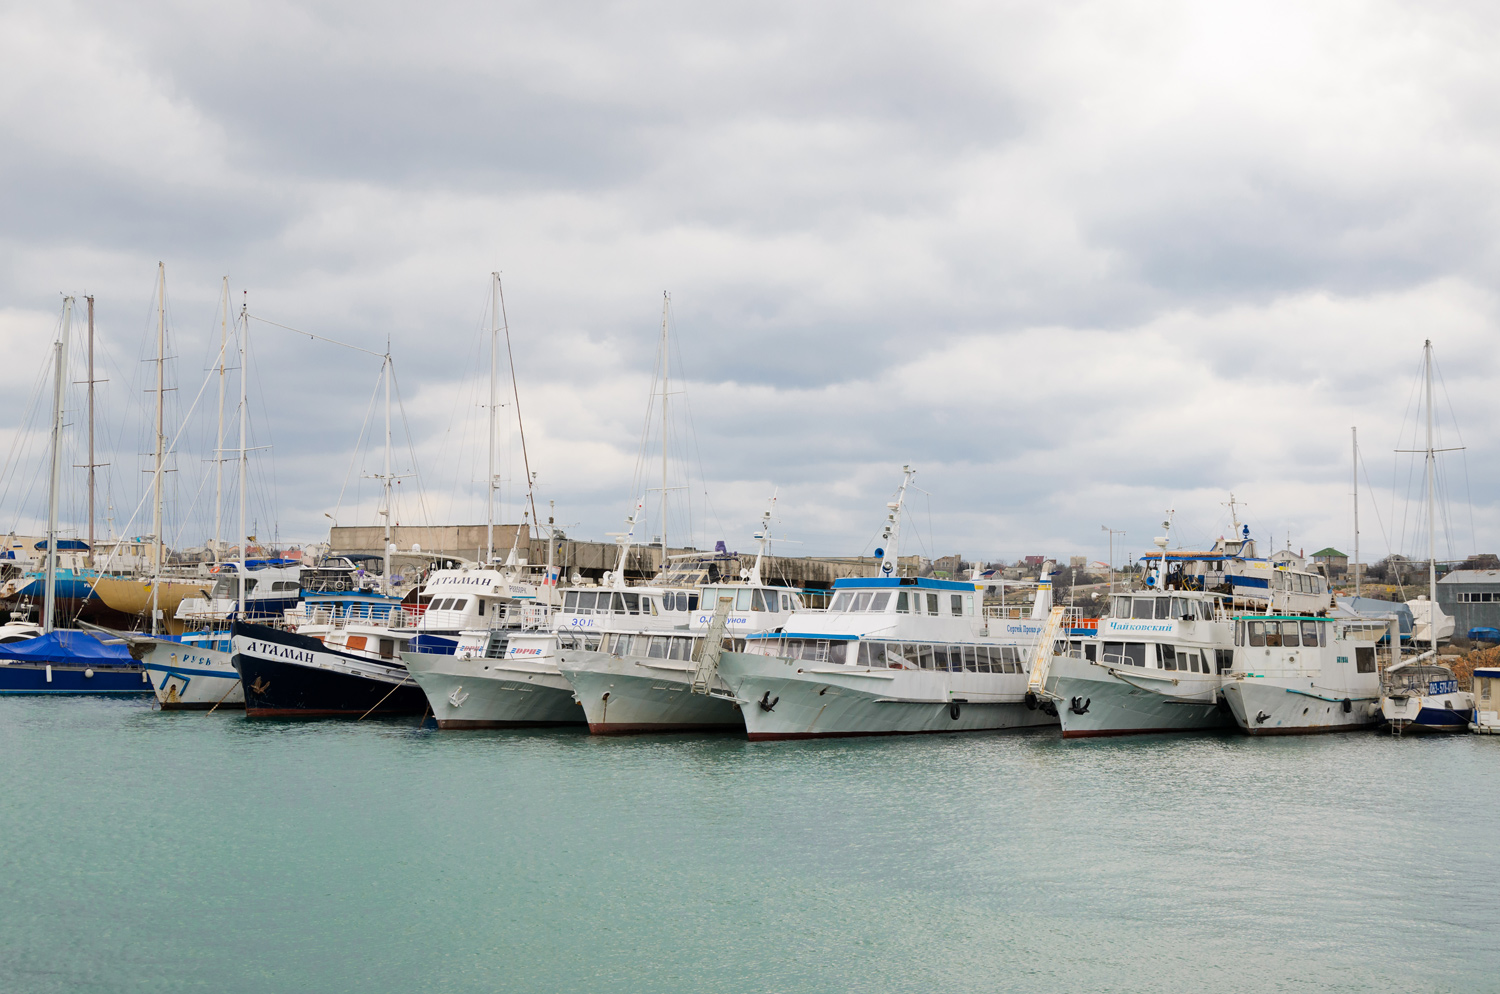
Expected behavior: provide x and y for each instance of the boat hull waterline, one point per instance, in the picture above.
(481, 692)
(631, 695)
(800, 699)
(1093, 702)
(192, 678)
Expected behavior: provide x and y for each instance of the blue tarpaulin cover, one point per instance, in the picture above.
(65, 647)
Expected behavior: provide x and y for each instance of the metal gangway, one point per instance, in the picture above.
(710, 648)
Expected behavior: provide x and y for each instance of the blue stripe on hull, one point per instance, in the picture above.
(106, 680)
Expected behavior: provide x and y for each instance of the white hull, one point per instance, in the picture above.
(812, 700)
(1137, 702)
(1294, 706)
(190, 677)
(1451, 712)
(494, 693)
(622, 695)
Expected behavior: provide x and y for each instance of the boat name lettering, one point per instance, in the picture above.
(581, 622)
(285, 652)
(1023, 629)
(525, 652)
(1167, 627)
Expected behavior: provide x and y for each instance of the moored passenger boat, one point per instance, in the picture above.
(1295, 675)
(640, 679)
(891, 655)
(288, 675)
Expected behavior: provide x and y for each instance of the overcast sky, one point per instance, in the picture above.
(1076, 263)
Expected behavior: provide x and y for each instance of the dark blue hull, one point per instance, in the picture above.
(293, 676)
(73, 678)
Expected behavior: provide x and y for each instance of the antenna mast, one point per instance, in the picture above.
(1431, 509)
(1354, 432)
(161, 438)
(489, 490)
(244, 440)
(666, 300)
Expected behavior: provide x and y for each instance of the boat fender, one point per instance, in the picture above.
(766, 702)
(1222, 703)
(1260, 718)
(1083, 708)
(88, 673)
(953, 711)
(1348, 705)
(1049, 708)
(1030, 701)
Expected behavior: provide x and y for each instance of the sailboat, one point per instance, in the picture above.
(1421, 694)
(155, 597)
(62, 661)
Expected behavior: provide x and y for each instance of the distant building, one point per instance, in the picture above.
(1078, 562)
(1472, 597)
(1335, 560)
(1288, 558)
(1034, 562)
(948, 565)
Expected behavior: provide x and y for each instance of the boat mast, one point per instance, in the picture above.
(890, 560)
(489, 489)
(60, 372)
(666, 300)
(1431, 509)
(385, 578)
(551, 583)
(762, 539)
(219, 449)
(90, 299)
(1355, 435)
(244, 439)
(161, 438)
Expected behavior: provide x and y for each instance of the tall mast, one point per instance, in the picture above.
(489, 487)
(551, 583)
(219, 448)
(161, 438)
(1354, 432)
(60, 372)
(1431, 509)
(762, 540)
(890, 558)
(90, 299)
(666, 300)
(385, 579)
(244, 442)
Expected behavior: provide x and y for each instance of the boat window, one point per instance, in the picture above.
(786, 602)
(971, 663)
(1089, 650)
(691, 598)
(1271, 636)
(982, 656)
(1164, 609)
(658, 647)
(1135, 653)
(460, 604)
(1114, 654)
(1144, 608)
(909, 654)
(682, 648)
(1181, 608)
(841, 601)
(619, 604)
(902, 606)
(1310, 633)
(387, 648)
(591, 643)
(957, 605)
(742, 599)
(969, 605)
(955, 658)
(632, 603)
(940, 657)
(1119, 607)
(586, 600)
(932, 603)
(880, 600)
(1166, 657)
(648, 606)
(1364, 659)
(926, 657)
(793, 649)
(1289, 634)
(838, 653)
(861, 601)
(1225, 659)
(570, 601)
(872, 654)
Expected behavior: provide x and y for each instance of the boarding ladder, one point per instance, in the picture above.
(1041, 661)
(706, 658)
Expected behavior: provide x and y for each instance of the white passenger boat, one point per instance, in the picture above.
(1486, 694)
(891, 655)
(1294, 675)
(1158, 661)
(507, 676)
(642, 680)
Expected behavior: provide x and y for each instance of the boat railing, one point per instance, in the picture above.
(519, 616)
(353, 614)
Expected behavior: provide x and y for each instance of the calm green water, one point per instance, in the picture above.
(145, 851)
